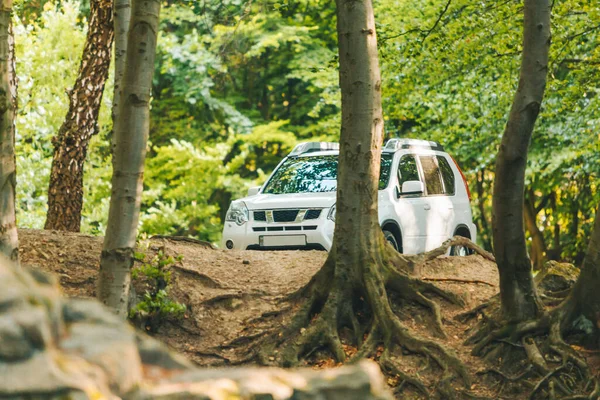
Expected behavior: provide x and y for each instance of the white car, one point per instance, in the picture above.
(423, 200)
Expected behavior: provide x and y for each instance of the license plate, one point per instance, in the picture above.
(288, 240)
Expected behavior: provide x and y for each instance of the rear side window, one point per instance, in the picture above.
(447, 176)
(433, 176)
(407, 170)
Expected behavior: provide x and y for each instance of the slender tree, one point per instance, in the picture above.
(65, 192)
(522, 313)
(9, 244)
(129, 153)
(517, 291)
(538, 246)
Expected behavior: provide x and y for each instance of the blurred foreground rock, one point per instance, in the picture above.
(58, 348)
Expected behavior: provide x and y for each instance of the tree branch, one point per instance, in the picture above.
(437, 21)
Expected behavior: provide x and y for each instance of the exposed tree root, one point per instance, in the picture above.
(562, 372)
(335, 312)
(458, 281)
(443, 249)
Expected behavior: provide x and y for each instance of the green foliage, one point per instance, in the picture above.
(158, 306)
(155, 306)
(188, 189)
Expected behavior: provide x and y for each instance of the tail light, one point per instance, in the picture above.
(464, 178)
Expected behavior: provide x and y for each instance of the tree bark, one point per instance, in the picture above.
(517, 290)
(360, 144)
(9, 245)
(121, 16)
(129, 153)
(65, 192)
(584, 299)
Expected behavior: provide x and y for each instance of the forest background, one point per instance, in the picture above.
(239, 83)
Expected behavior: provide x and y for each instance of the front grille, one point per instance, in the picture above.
(312, 214)
(285, 215)
(284, 228)
(260, 216)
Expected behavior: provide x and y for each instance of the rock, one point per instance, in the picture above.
(556, 277)
(359, 382)
(56, 348)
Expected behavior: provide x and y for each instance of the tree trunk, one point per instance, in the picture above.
(360, 145)
(9, 245)
(517, 291)
(484, 229)
(65, 192)
(129, 153)
(121, 15)
(584, 299)
(538, 244)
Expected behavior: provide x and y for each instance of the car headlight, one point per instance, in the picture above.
(238, 213)
(331, 214)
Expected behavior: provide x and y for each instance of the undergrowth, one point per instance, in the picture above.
(155, 305)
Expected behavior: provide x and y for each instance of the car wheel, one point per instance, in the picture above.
(460, 251)
(389, 236)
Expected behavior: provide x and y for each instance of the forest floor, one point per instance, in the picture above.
(224, 291)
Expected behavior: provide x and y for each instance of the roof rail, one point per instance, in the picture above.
(310, 147)
(397, 144)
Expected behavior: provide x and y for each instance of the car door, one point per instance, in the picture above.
(411, 210)
(439, 205)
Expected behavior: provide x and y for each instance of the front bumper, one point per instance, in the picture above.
(314, 234)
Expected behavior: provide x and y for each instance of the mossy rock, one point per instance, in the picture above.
(557, 276)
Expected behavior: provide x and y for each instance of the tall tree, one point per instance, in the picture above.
(350, 291)
(517, 291)
(129, 153)
(65, 192)
(9, 244)
(121, 15)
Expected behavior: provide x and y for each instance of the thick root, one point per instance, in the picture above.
(538, 342)
(349, 323)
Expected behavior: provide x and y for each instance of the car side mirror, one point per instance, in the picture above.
(253, 190)
(412, 187)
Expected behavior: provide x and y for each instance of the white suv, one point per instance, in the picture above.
(423, 200)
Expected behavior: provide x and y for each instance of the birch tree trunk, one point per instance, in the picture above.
(129, 153)
(121, 15)
(65, 192)
(9, 244)
(517, 290)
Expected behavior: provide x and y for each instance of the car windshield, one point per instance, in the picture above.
(315, 174)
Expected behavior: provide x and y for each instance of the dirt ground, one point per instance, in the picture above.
(225, 290)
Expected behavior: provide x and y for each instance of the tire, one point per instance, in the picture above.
(389, 236)
(461, 251)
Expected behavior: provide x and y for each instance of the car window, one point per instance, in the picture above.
(407, 170)
(386, 168)
(433, 178)
(447, 175)
(315, 174)
(304, 175)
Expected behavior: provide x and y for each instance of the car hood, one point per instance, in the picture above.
(295, 200)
